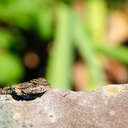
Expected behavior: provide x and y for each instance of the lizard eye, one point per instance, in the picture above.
(13, 91)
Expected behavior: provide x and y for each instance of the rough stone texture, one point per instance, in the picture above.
(106, 107)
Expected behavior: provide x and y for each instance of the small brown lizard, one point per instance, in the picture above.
(27, 90)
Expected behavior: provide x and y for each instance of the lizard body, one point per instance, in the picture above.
(27, 90)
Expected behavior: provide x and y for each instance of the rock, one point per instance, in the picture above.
(106, 107)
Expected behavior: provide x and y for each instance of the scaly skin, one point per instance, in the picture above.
(27, 90)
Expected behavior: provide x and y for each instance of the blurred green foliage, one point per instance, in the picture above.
(58, 20)
(10, 68)
(61, 56)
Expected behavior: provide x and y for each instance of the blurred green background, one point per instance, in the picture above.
(74, 44)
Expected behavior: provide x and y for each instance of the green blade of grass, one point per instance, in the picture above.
(119, 53)
(44, 22)
(61, 57)
(97, 11)
(89, 54)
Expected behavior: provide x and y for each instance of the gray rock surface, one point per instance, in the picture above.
(106, 107)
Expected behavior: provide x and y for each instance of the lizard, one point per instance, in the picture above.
(27, 90)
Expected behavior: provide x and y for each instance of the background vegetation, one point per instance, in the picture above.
(80, 44)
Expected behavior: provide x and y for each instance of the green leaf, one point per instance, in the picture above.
(11, 69)
(119, 53)
(6, 39)
(61, 57)
(44, 22)
(88, 52)
(19, 12)
(97, 18)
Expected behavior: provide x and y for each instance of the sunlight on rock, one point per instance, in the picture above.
(113, 89)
